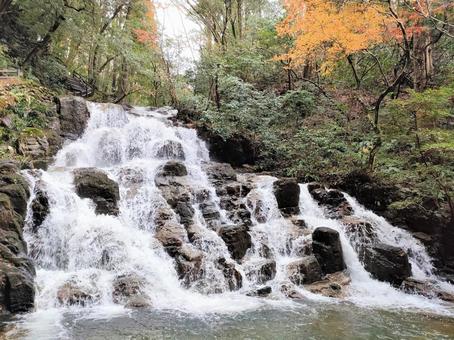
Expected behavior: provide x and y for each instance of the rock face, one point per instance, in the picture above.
(237, 239)
(16, 269)
(386, 263)
(304, 271)
(235, 150)
(333, 200)
(40, 206)
(327, 248)
(94, 184)
(73, 114)
(287, 192)
(171, 150)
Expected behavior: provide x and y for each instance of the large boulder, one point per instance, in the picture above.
(73, 114)
(94, 184)
(173, 168)
(327, 248)
(287, 192)
(16, 269)
(237, 239)
(235, 150)
(304, 271)
(386, 263)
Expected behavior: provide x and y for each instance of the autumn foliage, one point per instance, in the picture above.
(323, 30)
(147, 34)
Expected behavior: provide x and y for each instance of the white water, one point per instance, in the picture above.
(72, 241)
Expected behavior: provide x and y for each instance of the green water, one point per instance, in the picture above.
(311, 321)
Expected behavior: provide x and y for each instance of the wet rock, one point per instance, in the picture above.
(220, 172)
(287, 192)
(73, 114)
(425, 288)
(16, 269)
(235, 150)
(359, 230)
(174, 168)
(232, 276)
(17, 292)
(71, 294)
(94, 184)
(327, 248)
(172, 236)
(127, 290)
(185, 211)
(304, 271)
(189, 264)
(262, 271)
(333, 285)
(209, 211)
(16, 188)
(333, 200)
(291, 292)
(170, 150)
(39, 206)
(261, 292)
(386, 263)
(237, 239)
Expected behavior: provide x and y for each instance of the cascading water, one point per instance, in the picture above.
(72, 244)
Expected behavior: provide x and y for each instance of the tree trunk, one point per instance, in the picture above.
(4, 5)
(240, 18)
(423, 67)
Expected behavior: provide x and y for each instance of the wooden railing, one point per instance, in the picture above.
(10, 72)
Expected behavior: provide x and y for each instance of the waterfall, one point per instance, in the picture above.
(72, 244)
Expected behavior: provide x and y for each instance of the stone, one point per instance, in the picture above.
(333, 200)
(173, 168)
(73, 114)
(261, 292)
(127, 290)
(33, 146)
(287, 192)
(231, 275)
(188, 262)
(304, 271)
(359, 230)
(220, 172)
(170, 150)
(333, 285)
(94, 184)
(17, 291)
(290, 292)
(171, 235)
(236, 150)
(71, 294)
(39, 206)
(185, 211)
(237, 239)
(327, 248)
(263, 271)
(386, 263)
